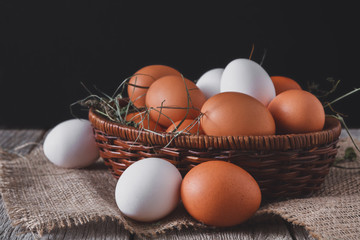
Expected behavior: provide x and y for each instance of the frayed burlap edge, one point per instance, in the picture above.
(20, 216)
(293, 220)
(41, 229)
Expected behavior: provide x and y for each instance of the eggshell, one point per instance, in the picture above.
(209, 82)
(168, 98)
(190, 126)
(148, 190)
(220, 193)
(144, 121)
(71, 144)
(236, 114)
(143, 78)
(246, 76)
(297, 111)
(282, 84)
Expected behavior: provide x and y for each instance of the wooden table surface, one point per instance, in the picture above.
(23, 141)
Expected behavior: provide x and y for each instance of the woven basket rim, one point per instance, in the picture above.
(330, 133)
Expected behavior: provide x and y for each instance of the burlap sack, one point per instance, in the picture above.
(41, 197)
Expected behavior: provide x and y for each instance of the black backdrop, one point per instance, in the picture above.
(48, 47)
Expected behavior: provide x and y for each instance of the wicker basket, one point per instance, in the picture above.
(285, 166)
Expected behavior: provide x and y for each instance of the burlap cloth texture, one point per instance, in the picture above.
(40, 197)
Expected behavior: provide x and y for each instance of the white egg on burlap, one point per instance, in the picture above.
(71, 144)
(148, 189)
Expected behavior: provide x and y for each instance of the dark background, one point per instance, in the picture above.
(48, 47)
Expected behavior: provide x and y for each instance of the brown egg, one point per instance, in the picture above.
(169, 96)
(297, 111)
(282, 84)
(236, 114)
(188, 126)
(144, 121)
(220, 194)
(143, 78)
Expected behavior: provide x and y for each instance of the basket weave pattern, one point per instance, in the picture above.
(283, 165)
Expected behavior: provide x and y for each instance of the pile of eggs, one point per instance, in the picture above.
(240, 99)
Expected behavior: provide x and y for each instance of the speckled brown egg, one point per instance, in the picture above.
(282, 83)
(175, 98)
(143, 78)
(297, 111)
(236, 114)
(220, 194)
(144, 121)
(190, 126)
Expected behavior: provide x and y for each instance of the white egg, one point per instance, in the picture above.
(148, 189)
(248, 77)
(209, 82)
(71, 144)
